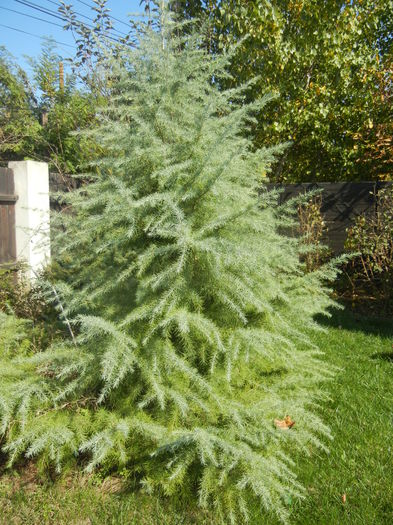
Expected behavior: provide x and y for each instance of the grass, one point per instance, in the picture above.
(359, 465)
(360, 414)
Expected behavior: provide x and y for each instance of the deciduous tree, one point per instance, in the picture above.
(330, 62)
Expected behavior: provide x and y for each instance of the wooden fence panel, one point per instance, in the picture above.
(7, 217)
(342, 202)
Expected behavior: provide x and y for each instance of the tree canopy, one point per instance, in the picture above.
(18, 121)
(330, 63)
(39, 116)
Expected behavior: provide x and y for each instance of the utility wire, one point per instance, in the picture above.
(121, 34)
(36, 36)
(58, 16)
(31, 16)
(39, 8)
(90, 19)
(113, 18)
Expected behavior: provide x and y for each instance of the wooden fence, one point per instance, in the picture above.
(7, 217)
(342, 202)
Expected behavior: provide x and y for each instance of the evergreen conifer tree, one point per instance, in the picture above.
(190, 309)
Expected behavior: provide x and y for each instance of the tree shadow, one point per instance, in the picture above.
(349, 320)
(383, 356)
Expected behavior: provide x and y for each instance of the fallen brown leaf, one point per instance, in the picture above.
(284, 424)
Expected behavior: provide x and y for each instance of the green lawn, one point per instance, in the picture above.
(360, 463)
(360, 414)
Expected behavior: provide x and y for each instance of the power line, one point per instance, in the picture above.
(31, 16)
(49, 12)
(39, 8)
(36, 36)
(113, 18)
(90, 19)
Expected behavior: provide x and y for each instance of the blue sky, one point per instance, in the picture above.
(20, 44)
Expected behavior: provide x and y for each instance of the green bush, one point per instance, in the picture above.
(14, 337)
(370, 272)
(312, 228)
(30, 301)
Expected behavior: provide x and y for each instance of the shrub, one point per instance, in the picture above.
(312, 228)
(190, 310)
(371, 239)
(29, 302)
(14, 338)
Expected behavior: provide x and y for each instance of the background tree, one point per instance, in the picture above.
(38, 117)
(331, 64)
(18, 110)
(93, 42)
(68, 107)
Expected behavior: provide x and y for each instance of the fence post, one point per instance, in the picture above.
(32, 212)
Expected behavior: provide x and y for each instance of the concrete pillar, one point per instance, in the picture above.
(32, 210)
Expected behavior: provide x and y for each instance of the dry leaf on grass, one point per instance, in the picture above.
(284, 424)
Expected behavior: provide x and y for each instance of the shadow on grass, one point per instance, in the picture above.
(348, 320)
(383, 356)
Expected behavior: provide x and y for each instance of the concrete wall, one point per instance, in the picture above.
(32, 214)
